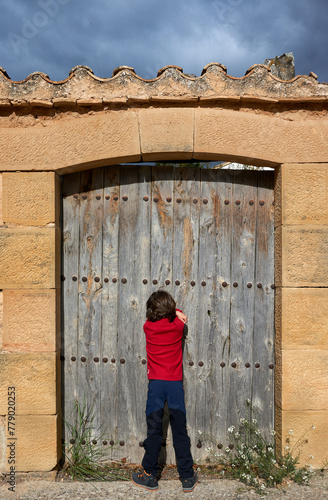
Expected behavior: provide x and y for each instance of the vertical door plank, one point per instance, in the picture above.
(70, 312)
(134, 258)
(242, 297)
(185, 271)
(263, 350)
(109, 348)
(90, 291)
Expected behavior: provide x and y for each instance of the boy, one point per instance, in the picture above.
(164, 332)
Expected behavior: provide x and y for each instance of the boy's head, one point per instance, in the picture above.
(160, 305)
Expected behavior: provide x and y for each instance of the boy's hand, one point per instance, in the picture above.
(181, 316)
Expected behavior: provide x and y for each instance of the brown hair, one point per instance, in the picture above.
(160, 305)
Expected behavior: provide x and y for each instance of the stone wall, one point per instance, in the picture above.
(53, 128)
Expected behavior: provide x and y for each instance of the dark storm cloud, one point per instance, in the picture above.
(54, 35)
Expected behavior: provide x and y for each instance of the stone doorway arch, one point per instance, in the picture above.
(50, 128)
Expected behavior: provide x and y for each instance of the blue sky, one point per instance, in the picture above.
(53, 36)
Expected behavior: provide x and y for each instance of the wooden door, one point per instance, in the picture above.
(206, 236)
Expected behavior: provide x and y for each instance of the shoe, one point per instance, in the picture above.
(189, 484)
(145, 480)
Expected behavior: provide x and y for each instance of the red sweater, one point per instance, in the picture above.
(164, 349)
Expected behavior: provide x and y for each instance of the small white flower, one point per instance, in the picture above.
(248, 401)
(290, 432)
(313, 426)
(200, 432)
(243, 420)
(237, 434)
(270, 450)
(231, 429)
(227, 450)
(286, 447)
(273, 433)
(311, 457)
(254, 421)
(262, 486)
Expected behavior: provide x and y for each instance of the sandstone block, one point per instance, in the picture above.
(37, 445)
(30, 320)
(34, 379)
(28, 257)
(1, 319)
(166, 132)
(301, 256)
(301, 318)
(312, 442)
(302, 194)
(2, 444)
(1, 202)
(72, 144)
(302, 380)
(29, 198)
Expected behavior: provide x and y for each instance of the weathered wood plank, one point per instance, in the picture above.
(133, 268)
(70, 316)
(263, 342)
(242, 297)
(109, 348)
(89, 341)
(185, 271)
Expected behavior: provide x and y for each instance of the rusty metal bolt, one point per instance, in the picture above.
(63, 278)
(205, 201)
(226, 202)
(247, 365)
(141, 444)
(143, 361)
(249, 285)
(259, 285)
(177, 282)
(83, 441)
(122, 361)
(107, 198)
(105, 442)
(237, 202)
(193, 283)
(73, 358)
(251, 202)
(257, 365)
(201, 363)
(235, 284)
(191, 363)
(234, 365)
(96, 359)
(84, 197)
(224, 284)
(145, 281)
(114, 280)
(199, 444)
(115, 198)
(178, 200)
(72, 441)
(124, 280)
(261, 202)
(125, 198)
(84, 279)
(75, 196)
(167, 282)
(122, 443)
(273, 286)
(220, 446)
(203, 283)
(222, 364)
(105, 360)
(83, 359)
(230, 446)
(98, 197)
(155, 282)
(106, 280)
(94, 441)
(271, 366)
(169, 199)
(145, 198)
(97, 279)
(156, 199)
(113, 360)
(195, 201)
(74, 278)
(111, 442)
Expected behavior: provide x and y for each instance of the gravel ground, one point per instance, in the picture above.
(207, 489)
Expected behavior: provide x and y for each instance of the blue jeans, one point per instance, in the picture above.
(160, 391)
